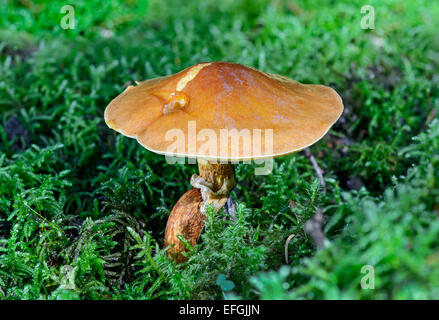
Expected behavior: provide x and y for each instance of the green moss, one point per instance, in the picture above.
(78, 200)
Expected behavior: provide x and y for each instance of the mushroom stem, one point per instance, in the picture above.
(217, 174)
(185, 220)
(211, 187)
(216, 181)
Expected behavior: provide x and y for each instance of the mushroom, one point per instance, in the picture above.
(220, 113)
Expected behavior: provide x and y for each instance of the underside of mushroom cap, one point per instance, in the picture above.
(224, 111)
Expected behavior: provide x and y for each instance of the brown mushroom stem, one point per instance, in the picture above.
(185, 220)
(211, 187)
(216, 173)
(216, 181)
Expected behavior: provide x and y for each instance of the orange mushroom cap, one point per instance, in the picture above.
(269, 108)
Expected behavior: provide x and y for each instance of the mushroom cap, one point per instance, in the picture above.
(186, 114)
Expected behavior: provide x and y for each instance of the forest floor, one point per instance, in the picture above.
(83, 209)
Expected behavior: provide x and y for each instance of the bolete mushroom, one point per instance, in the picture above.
(220, 113)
